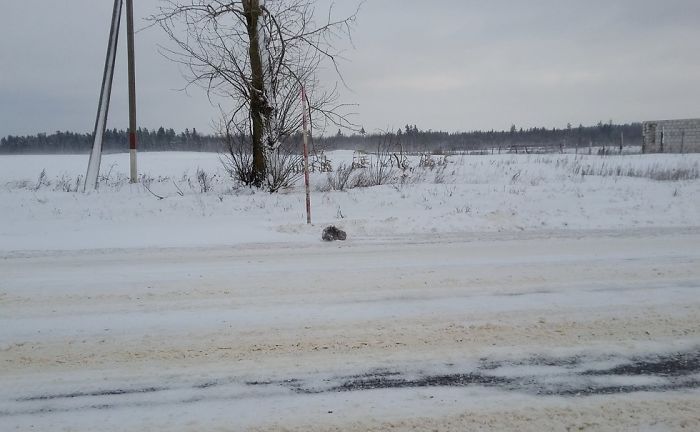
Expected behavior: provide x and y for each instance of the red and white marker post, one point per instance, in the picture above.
(132, 89)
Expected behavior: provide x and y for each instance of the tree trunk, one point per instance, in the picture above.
(258, 105)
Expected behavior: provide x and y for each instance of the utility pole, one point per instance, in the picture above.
(132, 89)
(103, 106)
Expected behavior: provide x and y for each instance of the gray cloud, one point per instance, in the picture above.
(450, 64)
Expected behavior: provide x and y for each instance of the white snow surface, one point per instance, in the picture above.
(473, 194)
(222, 310)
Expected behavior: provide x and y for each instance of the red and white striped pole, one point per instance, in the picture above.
(132, 89)
(306, 156)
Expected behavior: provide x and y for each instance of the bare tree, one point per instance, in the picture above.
(258, 54)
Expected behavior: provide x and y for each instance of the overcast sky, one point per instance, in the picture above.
(444, 64)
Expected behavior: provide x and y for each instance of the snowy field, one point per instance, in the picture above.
(501, 292)
(465, 194)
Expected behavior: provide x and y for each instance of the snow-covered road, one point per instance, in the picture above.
(580, 330)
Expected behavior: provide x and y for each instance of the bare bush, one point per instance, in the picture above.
(238, 162)
(375, 169)
(339, 179)
(426, 161)
(42, 180)
(400, 159)
(654, 172)
(380, 170)
(112, 181)
(359, 160)
(320, 163)
(67, 184)
(440, 174)
(107, 176)
(282, 172)
(205, 180)
(282, 163)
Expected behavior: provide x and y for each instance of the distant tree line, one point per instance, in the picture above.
(160, 139)
(516, 139)
(409, 137)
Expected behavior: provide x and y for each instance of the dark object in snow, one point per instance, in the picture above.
(332, 233)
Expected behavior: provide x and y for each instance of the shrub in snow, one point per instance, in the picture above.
(284, 169)
(204, 180)
(284, 166)
(66, 183)
(41, 181)
(340, 178)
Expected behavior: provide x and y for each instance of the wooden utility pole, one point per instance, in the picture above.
(132, 89)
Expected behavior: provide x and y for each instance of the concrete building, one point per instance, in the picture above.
(671, 136)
